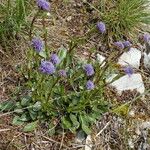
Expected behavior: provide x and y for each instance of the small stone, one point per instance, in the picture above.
(80, 137)
(69, 18)
(48, 14)
(132, 113)
(88, 142)
(131, 144)
(137, 131)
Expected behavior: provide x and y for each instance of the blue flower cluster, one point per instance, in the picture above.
(121, 45)
(128, 70)
(90, 85)
(145, 38)
(89, 70)
(47, 67)
(127, 44)
(43, 4)
(55, 59)
(37, 44)
(101, 27)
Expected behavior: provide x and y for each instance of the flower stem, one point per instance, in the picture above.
(32, 23)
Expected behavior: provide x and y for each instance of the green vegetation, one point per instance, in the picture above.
(12, 21)
(124, 17)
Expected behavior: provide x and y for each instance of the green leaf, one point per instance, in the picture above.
(33, 114)
(17, 121)
(18, 111)
(74, 102)
(86, 129)
(95, 115)
(74, 120)
(42, 54)
(66, 123)
(7, 106)
(30, 126)
(96, 112)
(18, 105)
(85, 125)
(91, 118)
(62, 53)
(25, 101)
(41, 116)
(25, 117)
(37, 106)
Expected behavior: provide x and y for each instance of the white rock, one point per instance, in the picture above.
(129, 83)
(101, 59)
(132, 58)
(88, 143)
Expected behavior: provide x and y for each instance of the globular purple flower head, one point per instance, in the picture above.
(128, 70)
(47, 67)
(62, 73)
(119, 45)
(127, 44)
(89, 70)
(43, 4)
(146, 37)
(101, 27)
(37, 44)
(90, 85)
(55, 59)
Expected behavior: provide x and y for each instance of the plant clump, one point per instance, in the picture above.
(123, 18)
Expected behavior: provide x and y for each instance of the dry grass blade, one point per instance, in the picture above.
(60, 143)
(4, 130)
(107, 124)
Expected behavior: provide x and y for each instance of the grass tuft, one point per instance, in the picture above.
(124, 16)
(12, 21)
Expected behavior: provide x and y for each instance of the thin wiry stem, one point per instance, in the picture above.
(32, 23)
